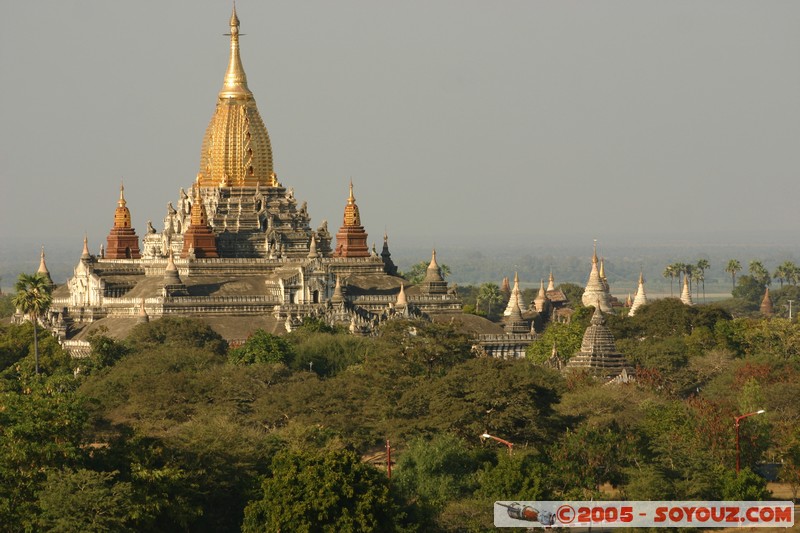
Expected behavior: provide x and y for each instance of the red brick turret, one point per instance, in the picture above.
(199, 239)
(122, 240)
(351, 239)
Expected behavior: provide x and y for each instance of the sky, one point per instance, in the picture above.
(459, 121)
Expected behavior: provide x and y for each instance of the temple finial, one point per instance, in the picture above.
(352, 199)
(235, 84)
(85, 254)
(594, 253)
(42, 265)
(121, 202)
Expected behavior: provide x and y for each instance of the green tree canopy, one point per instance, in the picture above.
(327, 492)
(262, 347)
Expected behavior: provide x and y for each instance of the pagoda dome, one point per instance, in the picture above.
(236, 148)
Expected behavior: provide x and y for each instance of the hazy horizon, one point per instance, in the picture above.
(462, 124)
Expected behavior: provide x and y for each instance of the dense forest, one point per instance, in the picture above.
(171, 429)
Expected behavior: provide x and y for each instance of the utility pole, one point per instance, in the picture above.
(736, 424)
(790, 308)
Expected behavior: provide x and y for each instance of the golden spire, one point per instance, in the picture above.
(594, 253)
(236, 149)
(351, 215)
(122, 216)
(235, 84)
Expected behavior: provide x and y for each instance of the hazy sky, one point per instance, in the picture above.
(481, 120)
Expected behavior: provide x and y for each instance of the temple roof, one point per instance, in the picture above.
(236, 148)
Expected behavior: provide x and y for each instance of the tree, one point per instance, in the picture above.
(732, 268)
(786, 271)
(759, 273)
(327, 492)
(670, 272)
(490, 294)
(749, 289)
(262, 347)
(41, 429)
(702, 266)
(177, 333)
(573, 292)
(33, 298)
(85, 500)
(436, 471)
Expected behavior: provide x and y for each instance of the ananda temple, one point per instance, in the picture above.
(237, 249)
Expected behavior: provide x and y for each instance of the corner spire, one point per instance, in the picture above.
(42, 265)
(235, 84)
(85, 254)
(402, 300)
(43, 272)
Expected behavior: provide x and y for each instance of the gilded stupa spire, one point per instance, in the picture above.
(351, 215)
(235, 84)
(122, 215)
(236, 148)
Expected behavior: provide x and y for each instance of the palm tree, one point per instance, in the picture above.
(760, 273)
(33, 299)
(669, 272)
(697, 275)
(490, 293)
(702, 266)
(794, 272)
(786, 271)
(732, 268)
